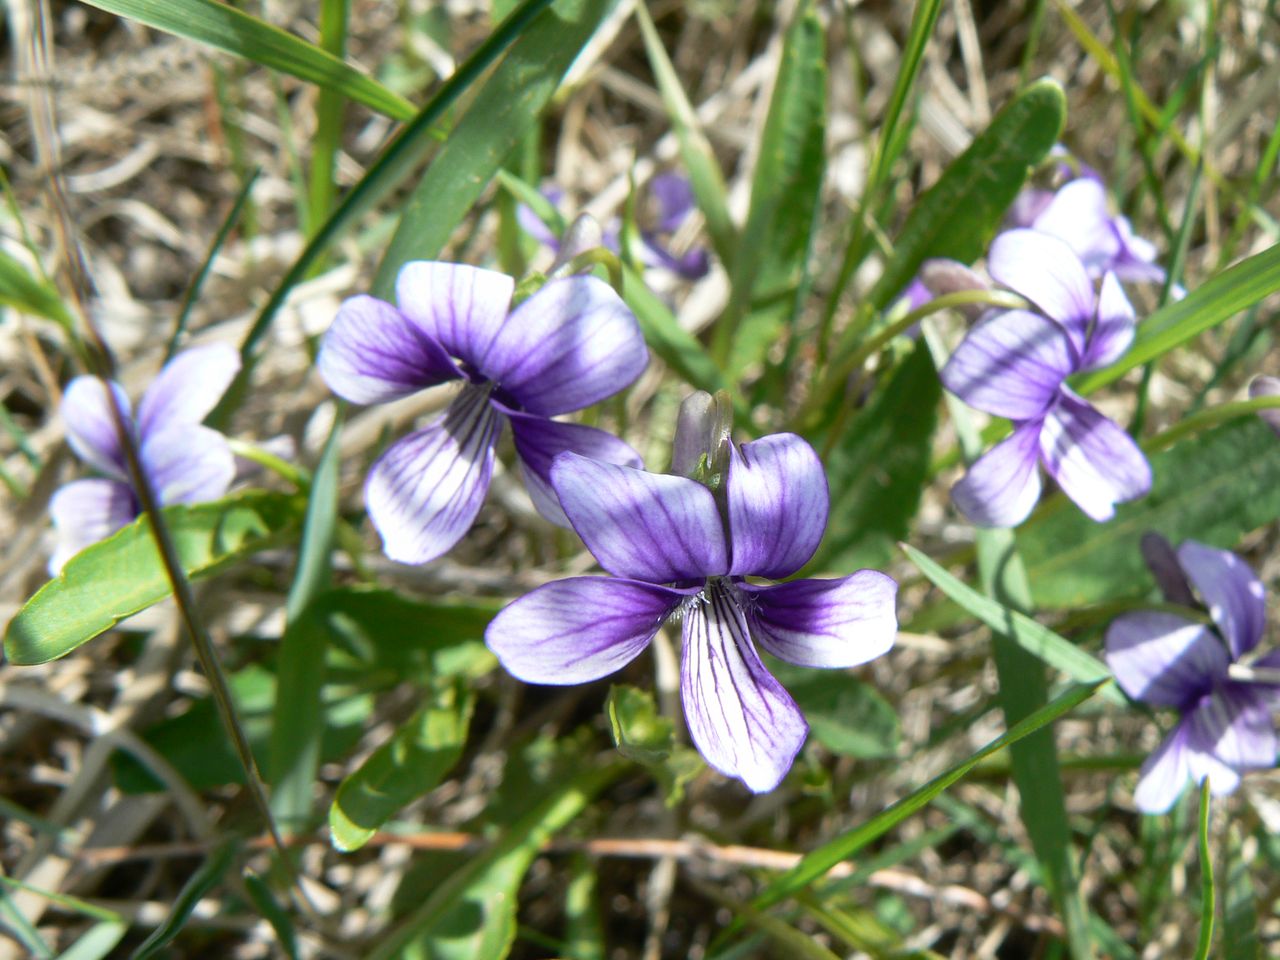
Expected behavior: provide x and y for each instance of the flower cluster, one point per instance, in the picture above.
(1167, 660)
(184, 461)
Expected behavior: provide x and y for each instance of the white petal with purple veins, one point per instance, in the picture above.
(425, 490)
(646, 526)
(1231, 590)
(570, 345)
(1095, 462)
(86, 511)
(187, 464)
(91, 424)
(1011, 364)
(580, 629)
(1234, 726)
(740, 718)
(778, 502)
(1078, 214)
(825, 623)
(1047, 272)
(462, 308)
(1003, 485)
(189, 386)
(1114, 328)
(1163, 659)
(1164, 774)
(539, 441)
(372, 353)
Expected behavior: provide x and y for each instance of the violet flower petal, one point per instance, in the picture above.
(189, 386)
(825, 623)
(1011, 364)
(1265, 386)
(1164, 774)
(1235, 727)
(1232, 592)
(673, 195)
(1095, 462)
(1078, 215)
(640, 525)
(539, 441)
(86, 511)
(1164, 660)
(460, 307)
(580, 629)
(1047, 272)
(777, 496)
(425, 490)
(1113, 331)
(372, 353)
(740, 718)
(91, 424)
(187, 464)
(1003, 485)
(570, 345)
(1162, 560)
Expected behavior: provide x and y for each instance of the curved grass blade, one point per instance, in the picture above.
(504, 110)
(224, 27)
(201, 882)
(123, 574)
(1208, 889)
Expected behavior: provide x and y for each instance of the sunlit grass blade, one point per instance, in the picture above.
(327, 141)
(30, 294)
(226, 28)
(97, 942)
(1208, 889)
(504, 110)
(395, 164)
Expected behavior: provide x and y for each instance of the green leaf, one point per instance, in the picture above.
(471, 915)
(770, 264)
(878, 466)
(1234, 289)
(1033, 637)
(816, 863)
(845, 715)
(642, 734)
(413, 761)
(505, 109)
(123, 574)
(193, 891)
(224, 27)
(1215, 487)
(22, 291)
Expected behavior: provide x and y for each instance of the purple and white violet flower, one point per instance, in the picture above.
(680, 552)
(571, 344)
(1166, 660)
(184, 461)
(1015, 364)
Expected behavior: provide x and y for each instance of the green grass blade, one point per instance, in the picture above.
(329, 106)
(123, 574)
(201, 882)
(699, 160)
(15, 924)
(397, 162)
(33, 295)
(97, 943)
(226, 28)
(664, 335)
(1208, 889)
(1236, 288)
(505, 109)
(816, 863)
(269, 909)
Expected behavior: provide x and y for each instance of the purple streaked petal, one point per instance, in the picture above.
(1164, 660)
(1094, 462)
(86, 511)
(1203, 765)
(460, 307)
(91, 424)
(189, 386)
(1164, 774)
(1011, 364)
(1234, 725)
(1265, 386)
(570, 345)
(1047, 272)
(778, 502)
(639, 525)
(825, 623)
(187, 464)
(1269, 691)
(673, 195)
(1003, 485)
(740, 718)
(425, 490)
(693, 264)
(1162, 561)
(1231, 590)
(1028, 205)
(539, 441)
(580, 629)
(372, 353)
(1078, 215)
(1135, 260)
(1113, 331)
